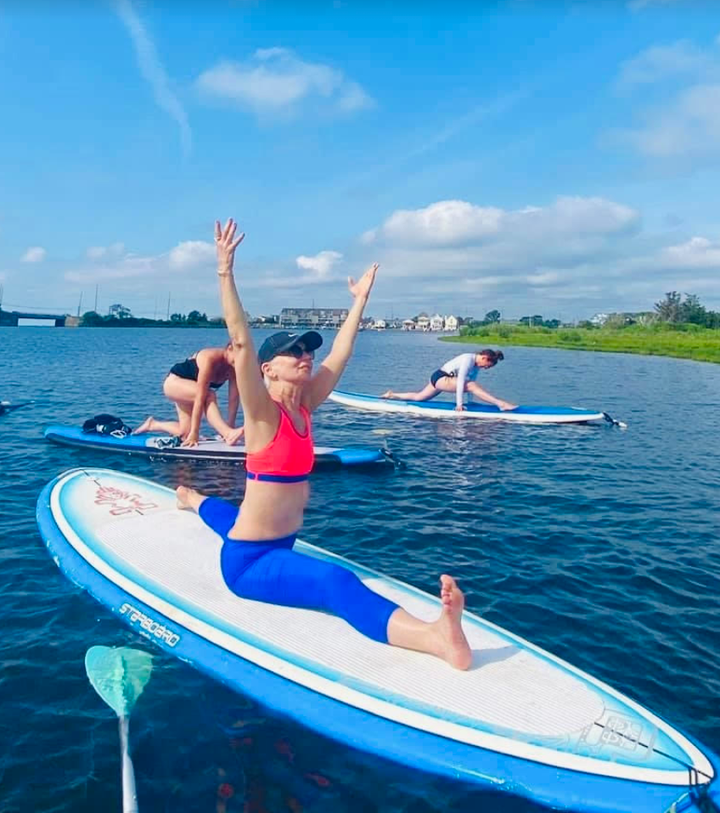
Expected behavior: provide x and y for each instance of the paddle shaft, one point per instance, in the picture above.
(128, 773)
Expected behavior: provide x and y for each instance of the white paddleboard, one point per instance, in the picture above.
(519, 719)
(446, 409)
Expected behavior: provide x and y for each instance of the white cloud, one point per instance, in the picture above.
(696, 253)
(456, 223)
(542, 278)
(572, 257)
(35, 254)
(353, 97)
(113, 263)
(128, 267)
(320, 265)
(98, 252)
(664, 61)
(153, 71)
(685, 121)
(447, 222)
(688, 127)
(274, 80)
(192, 253)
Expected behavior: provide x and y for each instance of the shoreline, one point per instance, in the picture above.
(693, 345)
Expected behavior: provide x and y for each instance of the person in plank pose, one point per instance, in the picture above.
(458, 376)
(279, 390)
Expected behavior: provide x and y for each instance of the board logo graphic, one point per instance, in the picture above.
(148, 626)
(122, 502)
(620, 734)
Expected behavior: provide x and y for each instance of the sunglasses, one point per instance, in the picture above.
(297, 351)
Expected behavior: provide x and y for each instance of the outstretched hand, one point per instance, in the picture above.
(226, 243)
(363, 286)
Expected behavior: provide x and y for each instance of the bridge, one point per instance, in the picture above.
(12, 318)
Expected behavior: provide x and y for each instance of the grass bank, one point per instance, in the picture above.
(680, 341)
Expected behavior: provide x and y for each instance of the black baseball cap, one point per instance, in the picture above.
(282, 341)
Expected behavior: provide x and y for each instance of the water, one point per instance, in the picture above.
(597, 544)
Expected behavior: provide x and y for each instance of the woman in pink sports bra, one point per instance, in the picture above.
(279, 391)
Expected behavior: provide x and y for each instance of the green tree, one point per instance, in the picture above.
(670, 308)
(177, 318)
(692, 311)
(120, 312)
(92, 319)
(492, 316)
(196, 318)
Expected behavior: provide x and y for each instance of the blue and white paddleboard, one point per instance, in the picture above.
(217, 450)
(446, 409)
(520, 720)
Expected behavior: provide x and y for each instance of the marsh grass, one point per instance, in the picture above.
(680, 341)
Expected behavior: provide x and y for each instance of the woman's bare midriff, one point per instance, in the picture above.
(270, 510)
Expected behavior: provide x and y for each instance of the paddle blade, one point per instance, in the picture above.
(118, 675)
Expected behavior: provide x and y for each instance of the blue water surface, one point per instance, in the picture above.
(597, 544)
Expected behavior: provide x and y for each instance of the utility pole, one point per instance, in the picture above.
(168, 310)
(80, 303)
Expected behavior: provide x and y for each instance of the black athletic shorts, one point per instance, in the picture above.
(438, 374)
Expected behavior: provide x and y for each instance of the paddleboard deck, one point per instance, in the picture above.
(214, 450)
(446, 409)
(519, 720)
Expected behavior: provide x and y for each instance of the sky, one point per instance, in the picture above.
(531, 156)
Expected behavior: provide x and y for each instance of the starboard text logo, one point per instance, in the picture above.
(146, 623)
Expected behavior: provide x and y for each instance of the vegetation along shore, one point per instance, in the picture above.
(678, 327)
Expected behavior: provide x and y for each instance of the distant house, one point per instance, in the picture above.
(451, 323)
(379, 324)
(423, 322)
(312, 317)
(599, 319)
(409, 324)
(436, 322)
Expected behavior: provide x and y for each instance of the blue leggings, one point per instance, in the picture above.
(273, 572)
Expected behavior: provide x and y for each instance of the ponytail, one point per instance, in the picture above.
(493, 355)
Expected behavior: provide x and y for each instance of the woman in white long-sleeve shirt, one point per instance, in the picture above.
(458, 375)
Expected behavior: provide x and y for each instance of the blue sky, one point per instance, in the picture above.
(536, 157)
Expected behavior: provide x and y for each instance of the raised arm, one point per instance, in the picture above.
(256, 402)
(331, 369)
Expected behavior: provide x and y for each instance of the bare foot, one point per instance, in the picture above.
(388, 394)
(188, 498)
(454, 647)
(145, 426)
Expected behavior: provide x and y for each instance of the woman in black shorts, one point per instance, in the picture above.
(191, 386)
